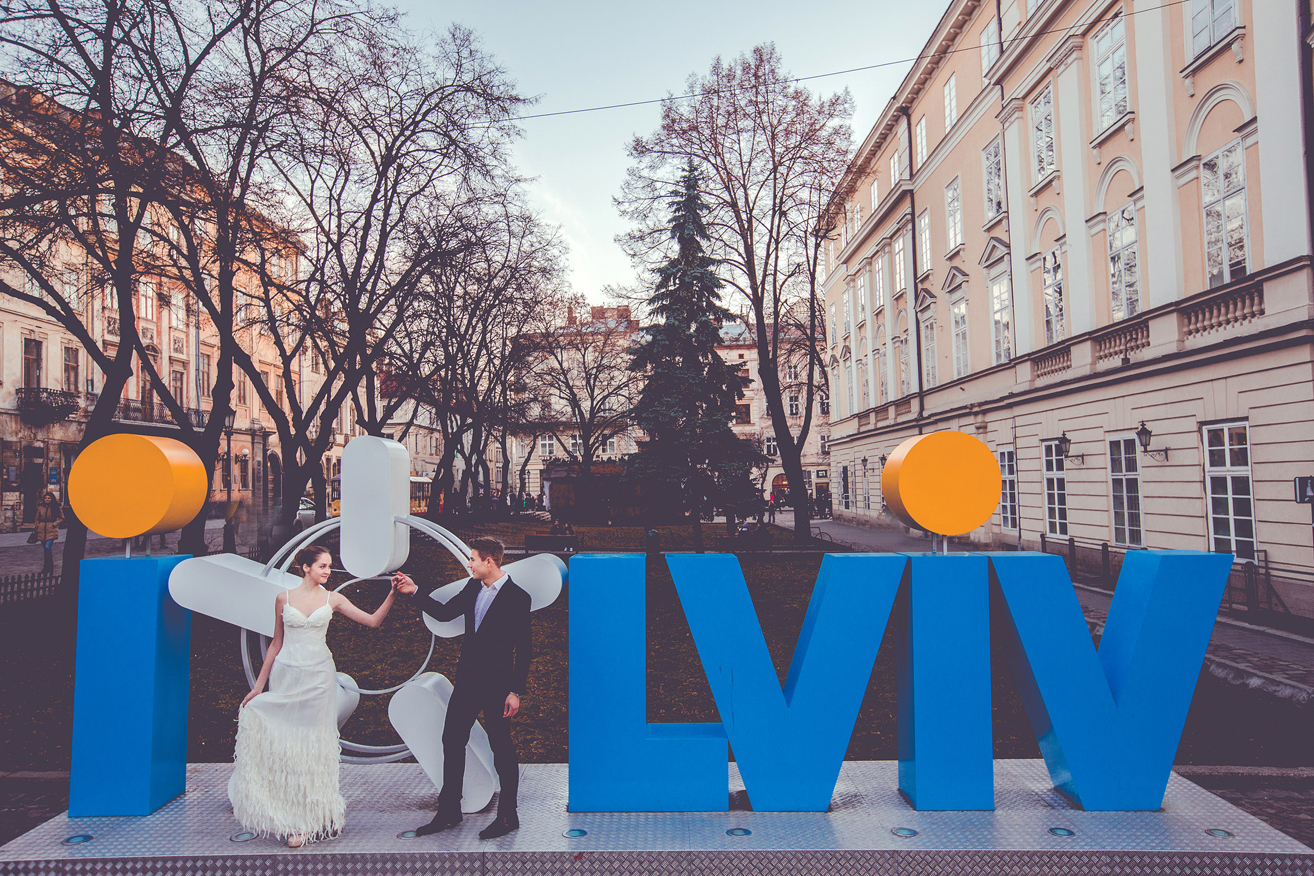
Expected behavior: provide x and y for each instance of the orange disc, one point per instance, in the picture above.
(946, 482)
(122, 486)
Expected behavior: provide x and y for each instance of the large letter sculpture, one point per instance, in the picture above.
(618, 761)
(789, 743)
(134, 642)
(1109, 721)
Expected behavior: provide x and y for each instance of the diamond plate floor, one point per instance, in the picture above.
(192, 834)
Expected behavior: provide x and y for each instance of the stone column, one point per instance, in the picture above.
(1070, 107)
(1017, 152)
(1161, 264)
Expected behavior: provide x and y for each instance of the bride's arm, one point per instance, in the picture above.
(275, 645)
(348, 609)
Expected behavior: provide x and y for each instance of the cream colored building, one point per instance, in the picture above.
(1098, 218)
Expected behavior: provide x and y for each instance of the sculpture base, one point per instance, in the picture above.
(860, 834)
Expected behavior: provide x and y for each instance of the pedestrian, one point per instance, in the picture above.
(490, 678)
(48, 516)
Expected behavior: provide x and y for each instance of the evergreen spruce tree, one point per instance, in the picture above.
(693, 461)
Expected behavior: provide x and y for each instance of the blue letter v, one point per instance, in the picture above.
(789, 743)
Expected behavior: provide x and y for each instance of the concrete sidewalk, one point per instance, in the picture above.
(1279, 662)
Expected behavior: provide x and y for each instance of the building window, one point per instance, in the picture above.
(857, 217)
(178, 386)
(204, 372)
(576, 446)
(989, 46)
(1124, 276)
(994, 179)
(1001, 316)
(823, 400)
(547, 446)
(882, 377)
(848, 385)
(958, 316)
(866, 384)
(900, 281)
(834, 331)
(241, 389)
(146, 298)
(950, 102)
(32, 354)
(824, 442)
(71, 381)
(1211, 20)
(1008, 510)
(875, 195)
(743, 414)
(905, 372)
(862, 297)
(920, 140)
(844, 487)
(1126, 492)
(896, 168)
(844, 312)
(795, 405)
(1111, 73)
(1056, 490)
(1227, 478)
(791, 371)
(1051, 274)
(923, 242)
(953, 213)
(1042, 134)
(771, 448)
(1223, 184)
(928, 348)
(878, 284)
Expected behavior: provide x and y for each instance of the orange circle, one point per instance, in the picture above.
(122, 486)
(946, 482)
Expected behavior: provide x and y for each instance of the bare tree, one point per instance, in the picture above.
(767, 149)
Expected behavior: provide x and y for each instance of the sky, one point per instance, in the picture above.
(572, 54)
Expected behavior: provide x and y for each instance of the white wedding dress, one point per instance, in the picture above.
(285, 771)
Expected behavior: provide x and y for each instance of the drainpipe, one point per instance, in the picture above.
(914, 323)
(1306, 37)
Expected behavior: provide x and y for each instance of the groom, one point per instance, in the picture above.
(490, 678)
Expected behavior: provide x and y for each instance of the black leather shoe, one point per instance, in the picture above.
(501, 826)
(441, 821)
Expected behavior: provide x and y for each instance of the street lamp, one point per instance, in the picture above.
(1065, 450)
(230, 535)
(1143, 436)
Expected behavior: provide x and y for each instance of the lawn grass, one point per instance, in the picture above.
(1227, 724)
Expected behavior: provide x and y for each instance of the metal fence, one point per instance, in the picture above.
(35, 585)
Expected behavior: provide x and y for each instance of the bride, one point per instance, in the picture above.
(285, 772)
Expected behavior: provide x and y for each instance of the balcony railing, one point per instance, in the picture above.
(42, 407)
(146, 412)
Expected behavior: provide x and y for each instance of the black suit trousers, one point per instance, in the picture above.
(465, 705)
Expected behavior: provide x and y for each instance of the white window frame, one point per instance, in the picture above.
(844, 312)
(1109, 57)
(612, 447)
(882, 376)
(848, 385)
(1051, 278)
(547, 446)
(834, 325)
(1227, 197)
(1211, 19)
(866, 385)
(989, 47)
(878, 283)
(1133, 530)
(905, 369)
(769, 446)
(920, 140)
(1056, 488)
(1043, 147)
(1124, 297)
(958, 324)
(146, 299)
(875, 194)
(900, 265)
(1010, 516)
(861, 297)
(795, 405)
(927, 326)
(992, 166)
(857, 217)
(1226, 504)
(923, 241)
(1000, 292)
(896, 169)
(953, 214)
(950, 101)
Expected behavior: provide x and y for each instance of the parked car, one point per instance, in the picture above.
(305, 514)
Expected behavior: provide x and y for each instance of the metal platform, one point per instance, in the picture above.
(870, 828)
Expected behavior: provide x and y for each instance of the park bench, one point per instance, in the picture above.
(555, 544)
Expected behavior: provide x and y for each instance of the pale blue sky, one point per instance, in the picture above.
(576, 53)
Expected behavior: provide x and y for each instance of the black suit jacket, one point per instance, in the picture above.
(494, 658)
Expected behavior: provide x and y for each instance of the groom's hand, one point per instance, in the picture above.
(403, 583)
(512, 705)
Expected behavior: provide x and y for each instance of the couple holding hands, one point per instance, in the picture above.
(285, 773)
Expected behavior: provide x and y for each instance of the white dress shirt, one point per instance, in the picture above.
(487, 592)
